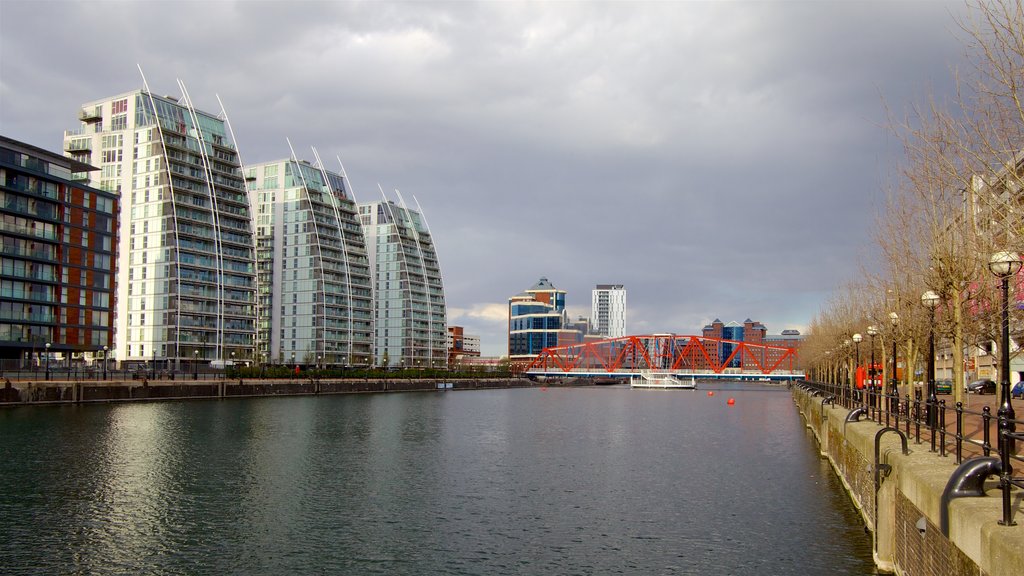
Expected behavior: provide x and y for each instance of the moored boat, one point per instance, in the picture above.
(662, 380)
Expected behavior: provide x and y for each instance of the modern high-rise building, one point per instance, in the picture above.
(410, 321)
(58, 257)
(315, 289)
(536, 319)
(186, 288)
(608, 310)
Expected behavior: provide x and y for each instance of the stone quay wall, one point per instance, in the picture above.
(77, 392)
(904, 515)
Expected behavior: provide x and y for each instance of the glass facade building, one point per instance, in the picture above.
(315, 290)
(410, 319)
(57, 257)
(535, 318)
(187, 283)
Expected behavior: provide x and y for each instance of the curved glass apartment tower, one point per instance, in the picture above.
(410, 322)
(315, 293)
(186, 282)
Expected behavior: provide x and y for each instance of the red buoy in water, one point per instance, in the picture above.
(711, 392)
(731, 401)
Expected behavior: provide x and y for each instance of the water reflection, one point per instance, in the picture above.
(557, 481)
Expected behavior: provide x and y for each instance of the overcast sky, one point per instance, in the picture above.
(721, 160)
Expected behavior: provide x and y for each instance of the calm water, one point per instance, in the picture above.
(529, 481)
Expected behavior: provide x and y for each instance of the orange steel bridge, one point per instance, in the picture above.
(680, 354)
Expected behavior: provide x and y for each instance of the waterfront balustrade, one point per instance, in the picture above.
(971, 436)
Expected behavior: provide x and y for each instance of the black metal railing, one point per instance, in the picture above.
(911, 413)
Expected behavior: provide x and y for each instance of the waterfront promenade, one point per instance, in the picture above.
(931, 510)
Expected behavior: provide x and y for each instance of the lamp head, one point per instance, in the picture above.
(1004, 264)
(857, 338)
(872, 331)
(930, 299)
(894, 318)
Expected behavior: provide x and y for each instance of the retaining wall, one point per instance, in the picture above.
(133, 390)
(904, 516)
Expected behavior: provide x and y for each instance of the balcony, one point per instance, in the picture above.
(90, 115)
(78, 145)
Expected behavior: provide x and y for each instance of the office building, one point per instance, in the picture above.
(461, 345)
(608, 310)
(410, 321)
(186, 287)
(313, 273)
(536, 317)
(58, 259)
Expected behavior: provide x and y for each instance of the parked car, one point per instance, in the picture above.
(1018, 390)
(982, 387)
(944, 387)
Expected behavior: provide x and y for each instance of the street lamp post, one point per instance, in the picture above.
(894, 319)
(857, 338)
(847, 383)
(1004, 265)
(105, 351)
(872, 388)
(195, 364)
(47, 360)
(930, 299)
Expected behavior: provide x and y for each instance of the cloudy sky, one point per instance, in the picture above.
(722, 160)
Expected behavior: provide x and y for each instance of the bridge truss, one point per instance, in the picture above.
(666, 352)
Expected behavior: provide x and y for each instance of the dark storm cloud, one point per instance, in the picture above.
(719, 159)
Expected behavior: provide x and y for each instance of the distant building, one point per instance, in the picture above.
(536, 317)
(186, 284)
(59, 255)
(608, 310)
(461, 345)
(410, 321)
(315, 289)
(750, 332)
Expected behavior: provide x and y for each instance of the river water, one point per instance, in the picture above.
(599, 480)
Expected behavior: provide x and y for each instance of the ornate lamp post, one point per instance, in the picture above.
(930, 300)
(894, 319)
(828, 366)
(846, 367)
(105, 350)
(872, 388)
(857, 338)
(1004, 265)
(47, 360)
(195, 364)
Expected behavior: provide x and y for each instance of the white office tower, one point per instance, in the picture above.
(608, 310)
(315, 292)
(410, 322)
(186, 279)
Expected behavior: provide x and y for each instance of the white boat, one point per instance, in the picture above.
(662, 380)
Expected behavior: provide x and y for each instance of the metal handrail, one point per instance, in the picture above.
(890, 408)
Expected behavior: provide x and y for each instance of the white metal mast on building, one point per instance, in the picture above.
(423, 275)
(174, 220)
(252, 229)
(440, 275)
(344, 255)
(320, 254)
(404, 261)
(208, 171)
